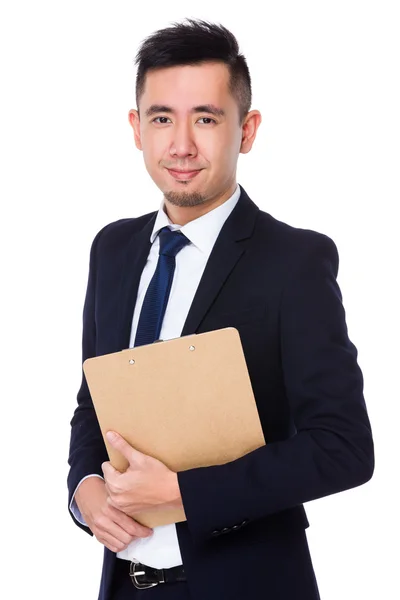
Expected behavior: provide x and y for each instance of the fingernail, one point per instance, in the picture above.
(110, 435)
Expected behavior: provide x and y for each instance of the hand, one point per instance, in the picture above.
(110, 526)
(147, 483)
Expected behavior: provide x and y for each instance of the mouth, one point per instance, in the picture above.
(183, 175)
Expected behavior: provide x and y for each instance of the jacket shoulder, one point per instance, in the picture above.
(119, 231)
(294, 242)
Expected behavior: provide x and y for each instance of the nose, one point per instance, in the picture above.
(183, 143)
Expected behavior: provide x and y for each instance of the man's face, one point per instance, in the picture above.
(181, 128)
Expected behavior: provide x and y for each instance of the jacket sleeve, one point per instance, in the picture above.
(333, 448)
(87, 450)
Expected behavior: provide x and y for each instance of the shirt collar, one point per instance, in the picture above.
(203, 231)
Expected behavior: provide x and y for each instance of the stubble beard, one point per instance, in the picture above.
(185, 199)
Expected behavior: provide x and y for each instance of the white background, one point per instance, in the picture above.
(326, 80)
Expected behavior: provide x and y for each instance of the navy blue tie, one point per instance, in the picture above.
(157, 294)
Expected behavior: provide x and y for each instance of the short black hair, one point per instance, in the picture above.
(191, 43)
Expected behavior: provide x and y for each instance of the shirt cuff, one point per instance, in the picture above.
(73, 507)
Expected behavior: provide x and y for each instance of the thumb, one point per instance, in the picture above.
(120, 444)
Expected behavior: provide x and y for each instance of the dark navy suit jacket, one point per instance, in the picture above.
(245, 531)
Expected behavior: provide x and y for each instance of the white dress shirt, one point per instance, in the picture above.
(161, 550)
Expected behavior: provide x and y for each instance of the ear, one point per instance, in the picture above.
(249, 130)
(134, 120)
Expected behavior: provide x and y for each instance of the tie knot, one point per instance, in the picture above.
(171, 241)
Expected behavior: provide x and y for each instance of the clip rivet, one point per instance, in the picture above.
(192, 348)
(131, 362)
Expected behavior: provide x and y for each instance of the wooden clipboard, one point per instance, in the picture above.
(187, 401)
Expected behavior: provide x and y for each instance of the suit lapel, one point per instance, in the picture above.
(229, 247)
(135, 261)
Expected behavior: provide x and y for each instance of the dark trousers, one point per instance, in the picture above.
(123, 588)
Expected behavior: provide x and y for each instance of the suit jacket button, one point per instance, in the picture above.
(215, 532)
(244, 522)
(225, 529)
(236, 527)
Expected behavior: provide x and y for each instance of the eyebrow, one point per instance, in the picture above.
(202, 108)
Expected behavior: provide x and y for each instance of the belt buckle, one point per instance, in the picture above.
(134, 574)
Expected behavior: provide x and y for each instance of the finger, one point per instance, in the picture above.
(111, 529)
(120, 444)
(105, 526)
(114, 490)
(117, 500)
(111, 501)
(128, 524)
(113, 543)
(109, 472)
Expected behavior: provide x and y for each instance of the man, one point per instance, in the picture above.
(210, 258)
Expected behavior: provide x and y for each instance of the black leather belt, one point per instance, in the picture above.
(143, 576)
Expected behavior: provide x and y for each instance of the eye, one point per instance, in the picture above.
(207, 119)
(154, 120)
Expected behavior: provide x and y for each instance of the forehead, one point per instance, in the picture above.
(187, 85)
